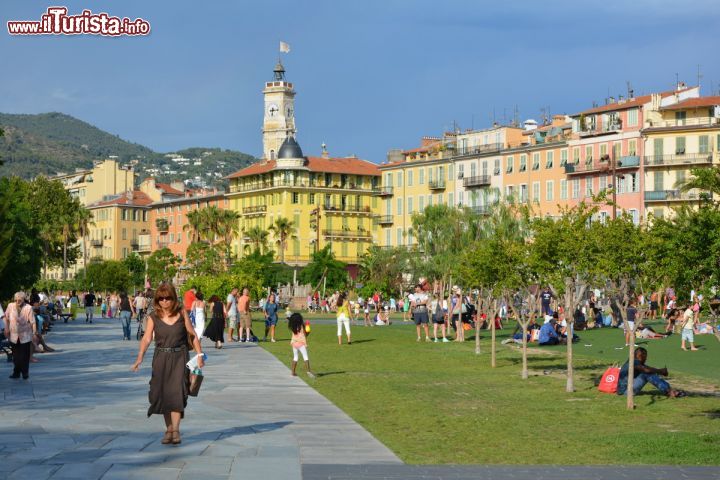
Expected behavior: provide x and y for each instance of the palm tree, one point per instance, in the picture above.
(228, 227)
(258, 239)
(196, 224)
(707, 180)
(283, 229)
(83, 222)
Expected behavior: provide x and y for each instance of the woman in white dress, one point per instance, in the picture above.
(198, 308)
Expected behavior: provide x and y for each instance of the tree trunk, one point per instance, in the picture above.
(478, 311)
(65, 266)
(492, 335)
(570, 385)
(630, 405)
(524, 374)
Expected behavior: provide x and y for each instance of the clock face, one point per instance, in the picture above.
(272, 110)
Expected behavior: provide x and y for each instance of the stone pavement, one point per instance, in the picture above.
(82, 414)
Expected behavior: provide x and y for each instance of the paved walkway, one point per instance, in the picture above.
(82, 414)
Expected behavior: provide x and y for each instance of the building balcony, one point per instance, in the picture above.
(347, 234)
(134, 245)
(478, 149)
(624, 163)
(675, 196)
(436, 184)
(255, 211)
(162, 225)
(162, 244)
(298, 183)
(682, 123)
(384, 220)
(602, 130)
(350, 209)
(96, 242)
(144, 243)
(385, 191)
(689, 159)
(476, 181)
(480, 210)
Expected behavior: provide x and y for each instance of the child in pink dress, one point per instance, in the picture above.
(299, 342)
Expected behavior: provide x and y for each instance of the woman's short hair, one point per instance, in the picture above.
(199, 296)
(214, 299)
(167, 290)
(20, 296)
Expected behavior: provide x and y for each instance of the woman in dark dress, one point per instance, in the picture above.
(170, 380)
(216, 330)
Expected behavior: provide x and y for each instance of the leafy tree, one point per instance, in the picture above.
(20, 247)
(108, 276)
(195, 224)
(203, 259)
(227, 229)
(564, 254)
(52, 207)
(2, 134)
(283, 230)
(83, 222)
(162, 265)
(323, 265)
(223, 283)
(136, 269)
(382, 269)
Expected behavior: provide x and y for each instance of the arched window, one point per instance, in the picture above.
(272, 154)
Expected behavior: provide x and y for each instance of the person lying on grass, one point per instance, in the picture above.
(646, 374)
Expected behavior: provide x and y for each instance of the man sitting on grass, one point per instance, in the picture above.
(548, 334)
(644, 374)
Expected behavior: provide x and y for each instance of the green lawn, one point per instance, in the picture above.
(441, 404)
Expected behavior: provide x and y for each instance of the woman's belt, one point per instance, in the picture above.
(170, 349)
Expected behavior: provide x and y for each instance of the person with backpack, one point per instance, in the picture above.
(438, 318)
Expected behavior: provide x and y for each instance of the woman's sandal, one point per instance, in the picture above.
(176, 438)
(167, 438)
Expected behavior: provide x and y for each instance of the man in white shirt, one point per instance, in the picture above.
(419, 305)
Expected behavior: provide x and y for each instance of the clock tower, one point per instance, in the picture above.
(279, 117)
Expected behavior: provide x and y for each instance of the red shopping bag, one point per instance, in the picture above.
(609, 380)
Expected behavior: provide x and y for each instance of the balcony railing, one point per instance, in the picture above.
(349, 208)
(480, 210)
(623, 163)
(134, 245)
(674, 196)
(384, 191)
(602, 129)
(347, 234)
(162, 243)
(684, 159)
(384, 220)
(687, 122)
(490, 147)
(436, 184)
(255, 210)
(96, 242)
(476, 181)
(253, 186)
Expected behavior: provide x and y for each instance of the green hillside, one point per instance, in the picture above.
(50, 143)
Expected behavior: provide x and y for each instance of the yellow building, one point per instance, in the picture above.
(118, 221)
(330, 201)
(105, 178)
(459, 169)
(679, 137)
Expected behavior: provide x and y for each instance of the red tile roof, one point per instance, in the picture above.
(635, 102)
(694, 103)
(166, 188)
(347, 165)
(135, 198)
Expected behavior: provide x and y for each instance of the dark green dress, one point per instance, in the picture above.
(170, 379)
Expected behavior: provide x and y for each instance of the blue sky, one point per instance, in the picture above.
(370, 76)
